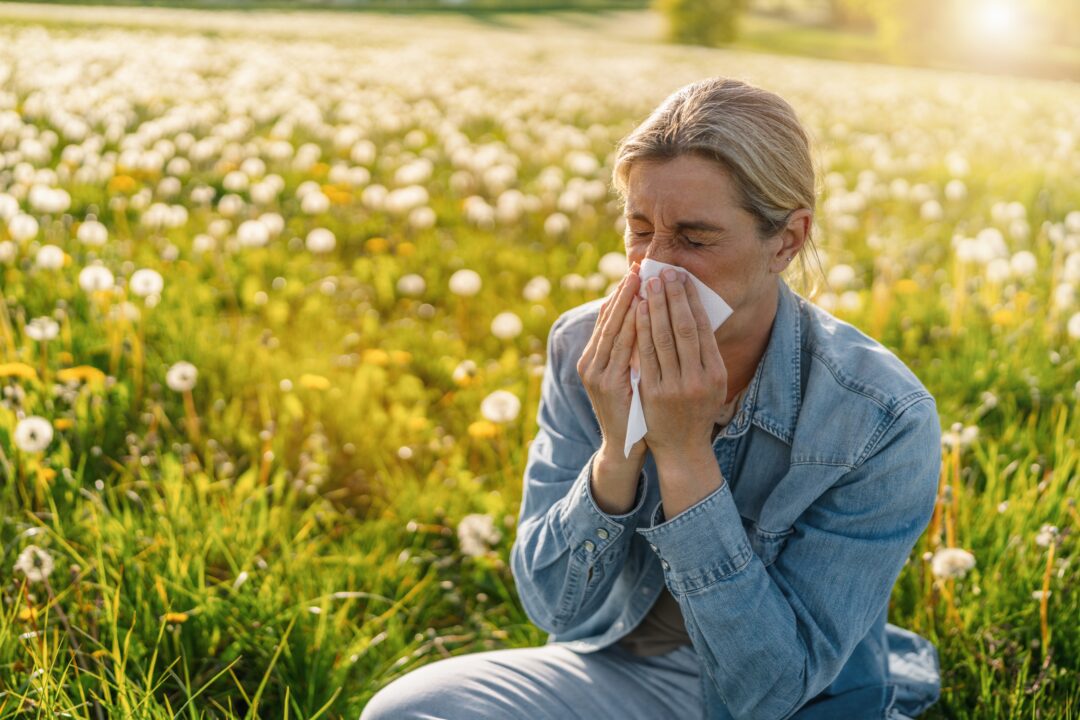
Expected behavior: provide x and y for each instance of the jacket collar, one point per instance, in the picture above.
(774, 395)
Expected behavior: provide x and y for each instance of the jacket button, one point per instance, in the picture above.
(601, 533)
(589, 545)
(665, 564)
(653, 547)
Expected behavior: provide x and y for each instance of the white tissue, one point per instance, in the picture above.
(715, 307)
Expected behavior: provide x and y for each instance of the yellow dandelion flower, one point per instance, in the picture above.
(314, 382)
(906, 286)
(100, 653)
(400, 357)
(18, 370)
(1003, 317)
(375, 356)
(80, 373)
(319, 169)
(336, 195)
(27, 614)
(121, 183)
(1021, 300)
(406, 249)
(175, 617)
(483, 429)
(377, 245)
(63, 423)
(418, 422)
(47, 474)
(65, 357)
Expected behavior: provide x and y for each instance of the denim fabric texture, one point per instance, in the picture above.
(784, 573)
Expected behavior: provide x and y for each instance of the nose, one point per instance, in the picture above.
(660, 252)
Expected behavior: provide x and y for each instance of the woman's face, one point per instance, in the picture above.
(684, 211)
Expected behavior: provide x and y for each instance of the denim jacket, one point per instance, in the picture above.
(783, 574)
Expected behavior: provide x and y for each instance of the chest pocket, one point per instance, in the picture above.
(765, 544)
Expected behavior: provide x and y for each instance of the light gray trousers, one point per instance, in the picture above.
(547, 682)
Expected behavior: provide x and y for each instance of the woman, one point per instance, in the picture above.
(738, 562)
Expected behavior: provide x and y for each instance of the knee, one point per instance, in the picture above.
(391, 703)
(387, 704)
(417, 695)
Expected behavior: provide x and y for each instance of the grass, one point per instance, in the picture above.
(296, 549)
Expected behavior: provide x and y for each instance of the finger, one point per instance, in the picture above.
(624, 342)
(660, 324)
(613, 322)
(590, 347)
(710, 353)
(648, 363)
(683, 325)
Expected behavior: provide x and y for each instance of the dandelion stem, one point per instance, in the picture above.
(504, 453)
(939, 506)
(44, 361)
(463, 318)
(950, 525)
(39, 484)
(192, 417)
(6, 333)
(950, 604)
(959, 281)
(1044, 605)
(137, 360)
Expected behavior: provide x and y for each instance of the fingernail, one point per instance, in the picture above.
(654, 284)
(643, 308)
(669, 274)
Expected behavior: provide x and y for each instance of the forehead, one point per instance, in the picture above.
(686, 182)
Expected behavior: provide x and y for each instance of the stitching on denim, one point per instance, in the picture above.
(824, 463)
(566, 608)
(843, 380)
(883, 430)
(710, 577)
(693, 511)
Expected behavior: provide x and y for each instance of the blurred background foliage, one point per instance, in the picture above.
(1029, 37)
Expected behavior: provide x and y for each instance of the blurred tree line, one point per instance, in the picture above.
(904, 29)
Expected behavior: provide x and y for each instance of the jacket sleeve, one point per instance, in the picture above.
(567, 551)
(773, 637)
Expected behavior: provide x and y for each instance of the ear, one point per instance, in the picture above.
(792, 237)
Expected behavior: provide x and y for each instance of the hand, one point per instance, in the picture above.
(604, 365)
(683, 378)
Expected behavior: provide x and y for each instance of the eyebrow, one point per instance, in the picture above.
(685, 224)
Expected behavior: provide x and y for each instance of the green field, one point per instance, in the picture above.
(281, 539)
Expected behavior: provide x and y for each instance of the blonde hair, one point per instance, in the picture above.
(753, 133)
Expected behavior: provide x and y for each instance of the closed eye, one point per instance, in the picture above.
(689, 242)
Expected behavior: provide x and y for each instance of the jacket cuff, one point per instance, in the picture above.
(586, 526)
(704, 544)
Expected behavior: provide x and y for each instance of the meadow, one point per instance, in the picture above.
(274, 296)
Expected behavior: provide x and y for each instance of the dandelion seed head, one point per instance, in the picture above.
(49, 257)
(952, 562)
(146, 282)
(477, 533)
(500, 406)
(181, 376)
(465, 282)
(33, 434)
(42, 329)
(35, 563)
(506, 325)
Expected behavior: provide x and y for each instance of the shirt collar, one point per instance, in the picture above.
(774, 394)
